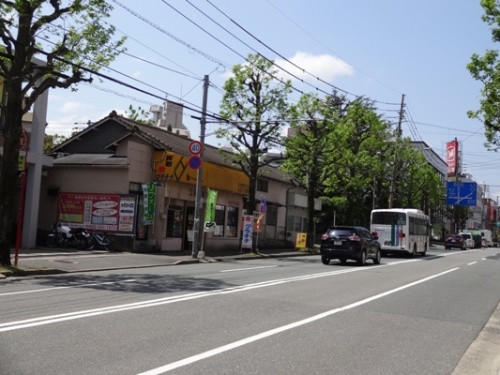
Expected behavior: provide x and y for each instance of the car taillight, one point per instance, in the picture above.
(401, 235)
(324, 236)
(354, 237)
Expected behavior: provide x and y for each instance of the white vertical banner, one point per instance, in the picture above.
(246, 240)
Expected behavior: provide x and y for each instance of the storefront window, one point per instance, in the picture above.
(232, 221)
(271, 215)
(220, 214)
(297, 224)
(174, 221)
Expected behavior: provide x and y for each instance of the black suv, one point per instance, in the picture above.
(455, 240)
(343, 243)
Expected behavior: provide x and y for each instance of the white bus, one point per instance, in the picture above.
(401, 230)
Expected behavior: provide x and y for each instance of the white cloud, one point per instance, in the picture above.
(326, 67)
(309, 67)
(72, 107)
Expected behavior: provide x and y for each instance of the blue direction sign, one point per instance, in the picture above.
(461, 193)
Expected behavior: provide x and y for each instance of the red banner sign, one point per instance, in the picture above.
(101, 212)
(452, 157)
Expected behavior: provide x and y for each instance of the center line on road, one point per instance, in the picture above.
(272, 332)
(471, 263)
(247, 269)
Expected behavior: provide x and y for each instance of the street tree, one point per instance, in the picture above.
(51, 141)
(354, 161)
(486, 69)
(73, 39)
(418, 183)
(313, 119)
(254, 104)
(139, 114)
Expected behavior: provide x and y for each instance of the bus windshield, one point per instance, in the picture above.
(389, 218)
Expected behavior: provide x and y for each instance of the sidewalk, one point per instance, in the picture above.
(56, 261)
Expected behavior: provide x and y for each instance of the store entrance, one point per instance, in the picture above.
(188, 229)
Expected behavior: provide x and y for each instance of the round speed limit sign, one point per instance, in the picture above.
(195, 147)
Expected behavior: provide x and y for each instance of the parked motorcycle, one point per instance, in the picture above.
(64, 236)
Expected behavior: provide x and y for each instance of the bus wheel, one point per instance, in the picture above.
(425, 250)
(414, 253)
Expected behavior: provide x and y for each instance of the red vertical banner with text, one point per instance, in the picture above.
(452, 158)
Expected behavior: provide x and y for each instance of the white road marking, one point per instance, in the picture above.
(272, 332)
(51, 319)
(248, 269)
(65, 287)
(33, 322)
(471, 263)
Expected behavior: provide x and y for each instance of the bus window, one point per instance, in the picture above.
(389, 218)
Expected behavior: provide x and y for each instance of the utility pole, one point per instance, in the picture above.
(198, 201)
(394, 166)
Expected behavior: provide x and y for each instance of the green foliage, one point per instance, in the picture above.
(254, 102)
(70, 37)
(354, 161)
(139, 115)
(459, 215)
(51, 141)
(486, 69)
(313, 120)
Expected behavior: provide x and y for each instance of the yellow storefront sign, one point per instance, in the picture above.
(300, 241)
(169, 166)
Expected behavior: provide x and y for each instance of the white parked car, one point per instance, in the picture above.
(469, 241)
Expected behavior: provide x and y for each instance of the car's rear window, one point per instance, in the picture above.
(455, 237)
(466, 235)
(340, 232)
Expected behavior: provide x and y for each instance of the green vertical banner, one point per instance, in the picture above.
(149, 194)
(210, 208)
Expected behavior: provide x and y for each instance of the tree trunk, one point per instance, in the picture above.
(311, 193)
(8, 173)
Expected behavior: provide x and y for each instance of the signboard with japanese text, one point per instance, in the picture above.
(149, 194)
(461, 193)
(211, 202)
(452, 157)
(169, 166)
(100, 212)
(210, 205)
(300, 240)
(246, 240)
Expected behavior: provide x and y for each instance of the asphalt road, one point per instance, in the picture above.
(262, 316)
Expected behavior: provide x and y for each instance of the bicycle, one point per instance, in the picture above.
(101, 240)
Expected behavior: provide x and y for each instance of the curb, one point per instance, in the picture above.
(215, 259)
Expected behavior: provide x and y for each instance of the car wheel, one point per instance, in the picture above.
(343, 260)
(325, 260)
(376, 260)
(362, 258)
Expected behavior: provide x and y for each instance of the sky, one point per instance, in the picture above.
(381, 50)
